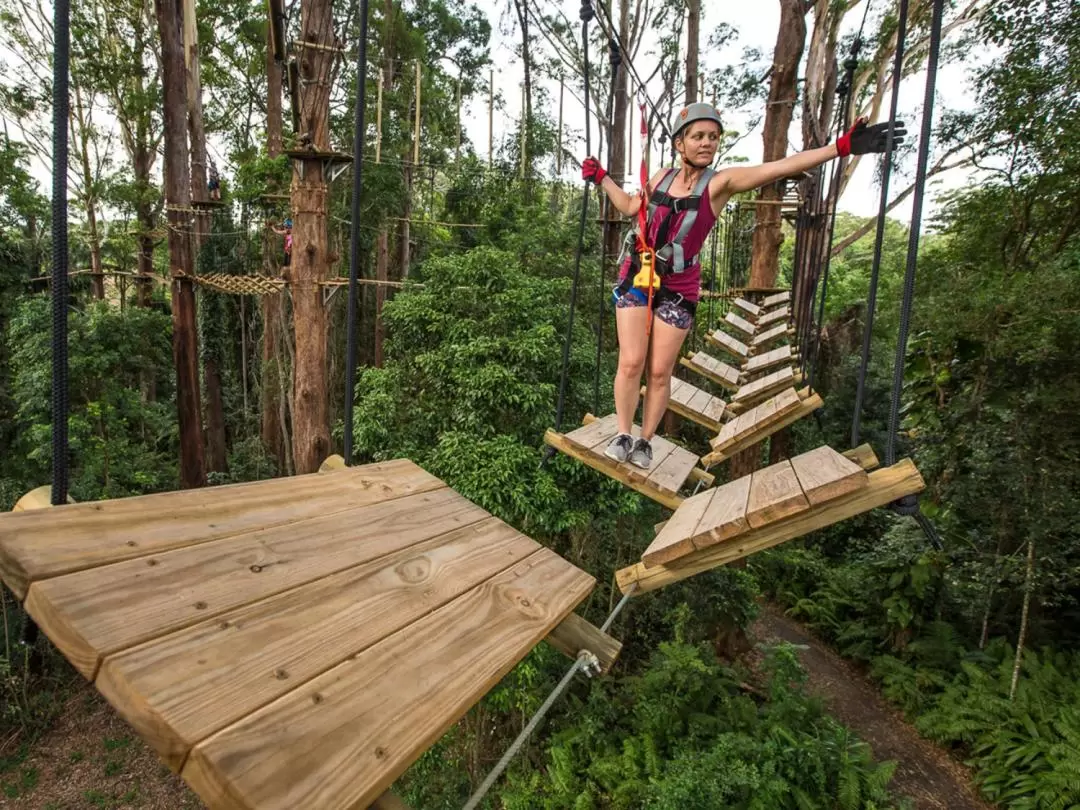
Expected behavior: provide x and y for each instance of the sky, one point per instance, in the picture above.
(757, 23)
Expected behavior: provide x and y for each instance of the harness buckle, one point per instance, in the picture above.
(647, 277)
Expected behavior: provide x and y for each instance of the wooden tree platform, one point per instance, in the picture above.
(762, 510)
(292, 643)
(695, 404)
(672, 466)
(756, 392)
(760, 422)
(719, 372)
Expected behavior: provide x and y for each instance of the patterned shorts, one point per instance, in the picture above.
(673, 313)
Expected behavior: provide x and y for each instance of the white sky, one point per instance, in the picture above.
(756, 22)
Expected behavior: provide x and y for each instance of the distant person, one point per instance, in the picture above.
(213, 181)
(683, 206)
(285, 231)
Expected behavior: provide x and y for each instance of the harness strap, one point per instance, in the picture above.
(675, 257)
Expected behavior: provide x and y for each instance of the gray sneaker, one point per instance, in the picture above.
(620, 447)
(641, 455)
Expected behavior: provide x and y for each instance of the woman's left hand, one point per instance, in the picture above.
(862, 139)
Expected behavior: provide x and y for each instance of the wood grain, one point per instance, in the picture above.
(775, 316)
(769, 336)
(774, 300)
(674, 540)
(46, 543)
(750, 309)
(725, 342)
(762, 362)
(726, 515)
(94, 613)
(824, 474)
(341, 739)
(574, 634)
(774, 494)
(179, 689)
(741, 324)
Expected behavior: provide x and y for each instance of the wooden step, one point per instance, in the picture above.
(725, 342)
(695, 404)
(740, 324)
(776, 495)
(671, 468)
(753, 310)
(761, 422)
(764, 362)
(778, 332)
(776, 300)
(781, 315)
(721, 373)
(761, 389)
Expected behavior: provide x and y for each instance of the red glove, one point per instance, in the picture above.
(592, 170)
(864, 140)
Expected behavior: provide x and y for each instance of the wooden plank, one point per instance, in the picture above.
(595, 432)
(801, 409)
(670, 474)
(697, 475)
(770, 335)
(574, 634)
(762, 362)
(752, 310)
(608, 467)
(776, 316)
(681, 391)
(389, 801)
(700, 401)
(725, 342)
(864, 456)
(341, 739)
(47, 543)
(721, 373)
(758, 417)
(661, 449)
(763, 387)
(92, 614)
(741, 324)
(824, 474)
(179, 689)
(777, 299)
(885, 486)
(774, 494)
(675, 539)
(714, 412)
(726, 515)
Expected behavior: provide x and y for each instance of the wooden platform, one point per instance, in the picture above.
(772, 506)
(780, 315)
(719, 372)
(695, 404)
(760, 422)
(672, 465)
(736, 349)
(776, 300)
(762, 341)
(769, 360)
(293, 643)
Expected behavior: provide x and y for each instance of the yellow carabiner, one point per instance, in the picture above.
(646, 277)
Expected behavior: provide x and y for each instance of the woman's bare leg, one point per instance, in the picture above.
(633, 344)
(667, 342)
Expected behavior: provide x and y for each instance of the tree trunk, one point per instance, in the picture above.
(693, 35)
(526, 114)
(310, 263)
(80, 129)
(1029, 586)
(765, 256)
(181, 255)
(406, 216)
(617, 139)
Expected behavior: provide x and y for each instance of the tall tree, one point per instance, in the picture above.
(693, 36)
(181, 248)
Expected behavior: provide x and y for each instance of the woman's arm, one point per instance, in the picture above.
(626, 204)
(747, 178)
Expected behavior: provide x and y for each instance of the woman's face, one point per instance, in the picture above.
(698, 144)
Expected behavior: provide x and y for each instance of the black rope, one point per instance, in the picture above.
(354, 235)
(586, 15)
(879, 240)
(61, 106)
(916, 230)
(615, 58)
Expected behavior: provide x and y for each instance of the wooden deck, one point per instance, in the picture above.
(719, 372)
(694, 404)
(769, 507)
(671, 469)
(290, 643)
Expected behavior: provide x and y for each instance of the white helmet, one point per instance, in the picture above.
(698, 111)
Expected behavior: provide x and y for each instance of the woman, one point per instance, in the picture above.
(683, 208)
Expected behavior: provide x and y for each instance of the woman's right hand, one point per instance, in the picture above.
(592, 170)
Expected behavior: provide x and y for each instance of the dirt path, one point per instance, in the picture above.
(925, 773)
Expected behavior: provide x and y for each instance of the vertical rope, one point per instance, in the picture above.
(616, 61)
(354, 229)
(916, 229)
(879, 239)
(61, 106)
(586, 15)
